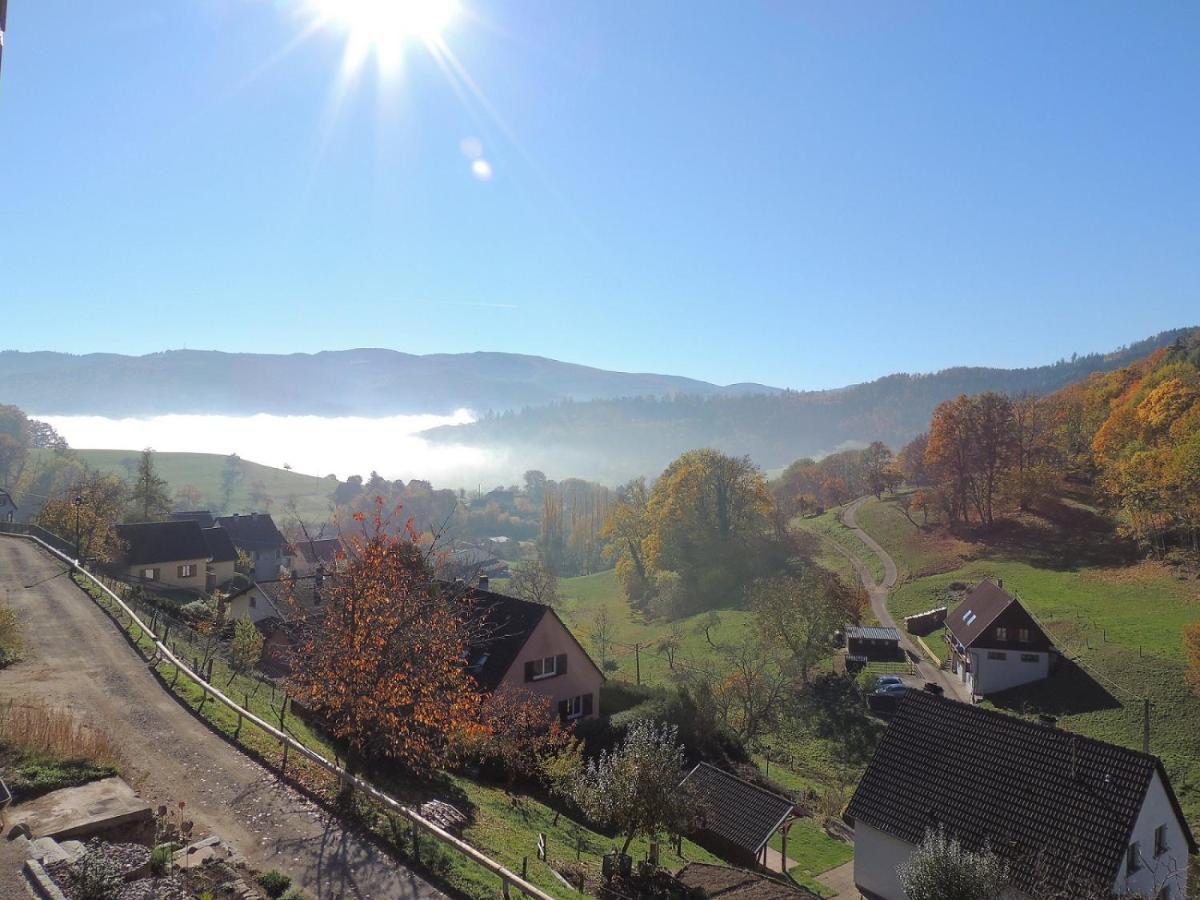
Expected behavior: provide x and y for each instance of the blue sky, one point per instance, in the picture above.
(804, 194)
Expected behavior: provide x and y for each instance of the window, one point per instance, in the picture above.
(969, 617)
(150, 574)
(187, 571)
(1160, 840)
(996, 654)
(575, 707)
(1134, 861)
(1029, 657)
(1023, 635)
(546, 667)
(1001, 633)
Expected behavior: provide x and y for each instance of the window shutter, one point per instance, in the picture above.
(587, 704)
(564, 709)
(529, 670)
(560, 664)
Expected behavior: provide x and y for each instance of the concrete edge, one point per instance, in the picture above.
(40, 884)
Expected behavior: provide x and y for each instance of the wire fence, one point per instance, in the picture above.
(163, 653)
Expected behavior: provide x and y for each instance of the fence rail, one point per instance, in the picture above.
(163, 652)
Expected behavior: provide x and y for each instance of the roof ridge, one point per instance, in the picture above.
(744, 781)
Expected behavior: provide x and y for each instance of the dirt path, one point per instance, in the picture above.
(879, 592)
(76, 658)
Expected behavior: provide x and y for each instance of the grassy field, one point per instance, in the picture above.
(832, 533)
(1118, 621)
(312, 495)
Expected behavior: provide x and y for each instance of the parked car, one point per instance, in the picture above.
(892, 689)
(882, 681)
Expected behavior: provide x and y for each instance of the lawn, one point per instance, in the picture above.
(313, 496)
(1118, 621)
(833, 534)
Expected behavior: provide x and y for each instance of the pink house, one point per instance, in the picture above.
(525, 646)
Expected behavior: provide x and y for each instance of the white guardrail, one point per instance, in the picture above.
(164, 652)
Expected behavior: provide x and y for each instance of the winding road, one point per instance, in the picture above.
(75, 658)
(879, 593)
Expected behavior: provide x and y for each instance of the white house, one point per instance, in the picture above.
(1072, 816)
(995, 644)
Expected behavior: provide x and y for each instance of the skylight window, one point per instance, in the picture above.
(969, 617)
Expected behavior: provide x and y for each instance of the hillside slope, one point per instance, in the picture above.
(641, 435)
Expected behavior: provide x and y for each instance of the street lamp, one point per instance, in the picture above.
(77, 503)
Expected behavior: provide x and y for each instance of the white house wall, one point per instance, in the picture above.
(877, 857)
(992, 675)
(1167, 871)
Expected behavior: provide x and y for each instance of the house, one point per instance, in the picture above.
(255, 534)
(282, 599)
(738, 818)
(165, 554)
(310, 553)
(871, 643)
(525, 646)
(1072, 816)
(222, 557)
(8, 506)
(995, 644)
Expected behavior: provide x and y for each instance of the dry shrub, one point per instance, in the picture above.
(38, 729)
(10, 638)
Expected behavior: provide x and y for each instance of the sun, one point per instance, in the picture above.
(383, 27)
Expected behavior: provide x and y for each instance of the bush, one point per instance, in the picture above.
(160, 859)
(618, 696)
(275, 883)
(199, 611)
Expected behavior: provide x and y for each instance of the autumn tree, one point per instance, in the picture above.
(626, 530)
(711, 521)
(911, 461)
(635, 788)
(800, 613)
(520, 731)
(533, 580)
(877, 461)
(384, 669)
(87, 513)
(971, 443)
(14, 443)
(188, 497)
(148, 497)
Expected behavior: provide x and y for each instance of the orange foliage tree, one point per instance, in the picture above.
(384, 665)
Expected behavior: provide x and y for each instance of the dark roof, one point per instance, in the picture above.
(254, 531)
(158, 542)
(1059, 805)
(11, 501)
(978, 611)
(305, 590)
(737, 884)
(872, 633)
(316, 551)
(220, 547)
(736, 811)
(203, 516)
(505, 625)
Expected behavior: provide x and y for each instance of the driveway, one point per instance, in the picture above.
(880, 591)
(76, 658)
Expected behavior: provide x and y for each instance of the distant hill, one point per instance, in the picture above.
(613, 439)
(333, 383)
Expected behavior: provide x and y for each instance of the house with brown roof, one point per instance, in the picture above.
(164, 554)
(309, 554)
(1072, 817)
(995, 644)
(8, 506)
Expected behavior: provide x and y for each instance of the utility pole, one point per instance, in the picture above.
(78, 501)
(637, 662)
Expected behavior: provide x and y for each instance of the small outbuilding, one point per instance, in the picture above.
(873, 644)
(738, 818)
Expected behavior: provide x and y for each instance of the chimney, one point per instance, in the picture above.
(1048, 721)
(483, 582)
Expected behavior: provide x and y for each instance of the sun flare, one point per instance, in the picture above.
(383, 27)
